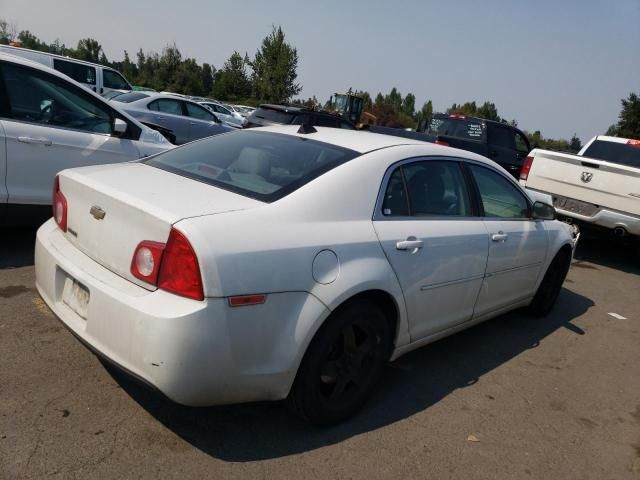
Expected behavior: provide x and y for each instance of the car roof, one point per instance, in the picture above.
(363, 141)
(54, 55)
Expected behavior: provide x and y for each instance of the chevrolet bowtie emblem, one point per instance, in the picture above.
(586, 177)
(97, 212)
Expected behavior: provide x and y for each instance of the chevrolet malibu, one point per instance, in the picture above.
(291, 262)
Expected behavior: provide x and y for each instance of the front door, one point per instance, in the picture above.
(433, 241)
(51, 125)
(200, 121)
(168, 113)
(517, 243)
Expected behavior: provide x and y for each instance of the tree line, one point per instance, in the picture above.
(270, 77)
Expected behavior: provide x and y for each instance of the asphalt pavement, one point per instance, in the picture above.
(512, 398)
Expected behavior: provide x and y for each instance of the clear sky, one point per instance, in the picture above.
(558, 66)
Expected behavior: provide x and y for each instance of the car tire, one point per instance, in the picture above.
(341, 365)
(549, 289)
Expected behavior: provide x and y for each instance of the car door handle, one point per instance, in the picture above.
(38, 141)
(193, 123)
(410, 243)
(499, 237)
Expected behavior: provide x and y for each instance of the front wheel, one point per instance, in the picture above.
(341, 365)
(551, 284)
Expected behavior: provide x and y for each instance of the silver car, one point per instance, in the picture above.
(225, 113)
(186, 119)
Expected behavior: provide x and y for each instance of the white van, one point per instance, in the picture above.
(96, 77)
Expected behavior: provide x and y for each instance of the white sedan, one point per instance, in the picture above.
(291, 263)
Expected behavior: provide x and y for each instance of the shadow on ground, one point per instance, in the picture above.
(16, 247)
(412, 384)
(602, 248)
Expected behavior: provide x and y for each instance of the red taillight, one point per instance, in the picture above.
(179, 271)
(59, 206)
(146, 261)
(633, 143)
(172, 266)
(526, 168)
(243, 300)
(441, 142)
(456, 115)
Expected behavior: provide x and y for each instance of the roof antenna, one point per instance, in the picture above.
(306, 128)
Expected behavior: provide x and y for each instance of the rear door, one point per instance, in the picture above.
(435, 243)
(51, 125)
(169, 113)
(517, 243)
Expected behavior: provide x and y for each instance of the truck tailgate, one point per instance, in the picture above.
(600, 183)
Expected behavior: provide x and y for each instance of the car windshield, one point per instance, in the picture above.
(262, 165)
(277, 116)
(466, 128)
(129, 97)
(614, 152)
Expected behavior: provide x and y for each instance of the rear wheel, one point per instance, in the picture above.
(341, 365)
(551, 285)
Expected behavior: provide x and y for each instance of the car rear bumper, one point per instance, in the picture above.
(195, 352)
(601, 216)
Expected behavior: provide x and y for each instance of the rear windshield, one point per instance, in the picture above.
(261, 165)
(466, 128)
(277, 116)
(129, 97)
(614, 152)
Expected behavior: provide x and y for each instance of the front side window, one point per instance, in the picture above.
(78, 71)
(261, 165)
(500, 198)
(201, 113)
(166, 105)
(37, 97)
(114, 80)
(428, 188)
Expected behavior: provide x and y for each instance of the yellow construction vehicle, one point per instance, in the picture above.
(349, 106)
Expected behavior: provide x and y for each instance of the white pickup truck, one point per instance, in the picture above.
(599, 186)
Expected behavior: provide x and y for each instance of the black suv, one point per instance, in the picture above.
(502, 143)
(286, 115)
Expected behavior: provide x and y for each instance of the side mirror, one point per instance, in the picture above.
(119, 127)
(543, 211)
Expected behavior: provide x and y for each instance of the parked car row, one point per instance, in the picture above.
(48, 123)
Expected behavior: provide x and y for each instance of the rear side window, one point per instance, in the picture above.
(129, 97)
(428, 188)
(501, 137)
(112, 79)
(499, 197)
(614, 152)
(277, 116)
(78, 71)
(261, 165)
(166, 105)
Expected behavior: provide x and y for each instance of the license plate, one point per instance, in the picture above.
(75, 296)
(576, 206)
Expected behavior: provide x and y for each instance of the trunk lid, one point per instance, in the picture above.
(586, 179)
(139, 202)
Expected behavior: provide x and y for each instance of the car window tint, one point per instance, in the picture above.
(500, 198)
(223, 110)
(614, 152)
(166, 105)
(277, 116)
(395, 201)
(324, 121)
(261, 165)
(522, 147)
(78, 71)
(501, 137)
(201, 113)
(129, 97)
(465, 128)
(114, 80)
(436, 188)
(41, 98)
